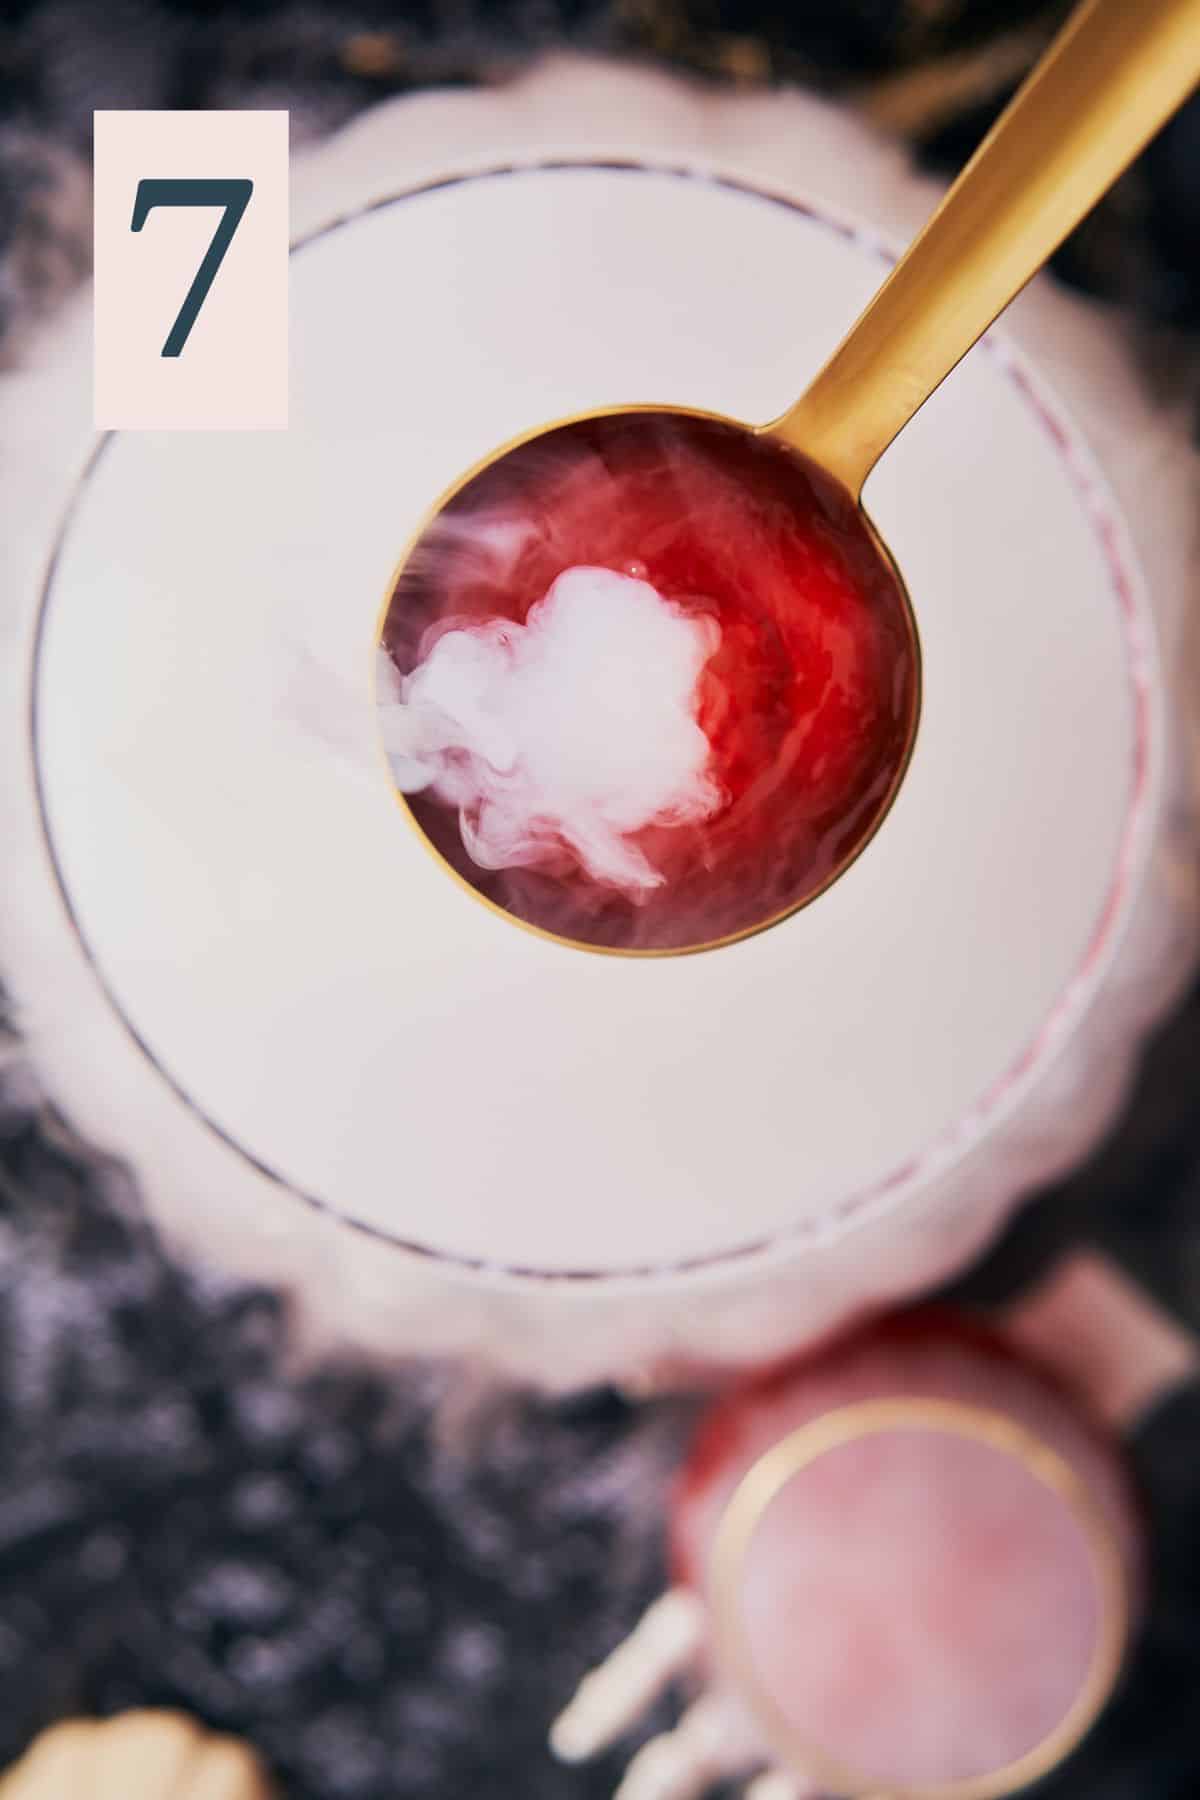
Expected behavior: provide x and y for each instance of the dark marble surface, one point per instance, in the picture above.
(389, 1605)
(389, 1595)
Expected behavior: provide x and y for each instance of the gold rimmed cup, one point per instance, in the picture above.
(763, 1484)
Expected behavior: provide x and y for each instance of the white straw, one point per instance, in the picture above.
(610, 1699)
(681, 1764)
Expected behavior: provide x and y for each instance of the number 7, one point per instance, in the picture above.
(234, 196)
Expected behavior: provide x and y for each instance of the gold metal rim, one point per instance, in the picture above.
(761, 1486)
(540, 931)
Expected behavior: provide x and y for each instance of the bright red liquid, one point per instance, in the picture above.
(809, 703)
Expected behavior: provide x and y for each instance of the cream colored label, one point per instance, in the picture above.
(191, 270)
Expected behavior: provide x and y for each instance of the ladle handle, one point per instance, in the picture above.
(1115, 73)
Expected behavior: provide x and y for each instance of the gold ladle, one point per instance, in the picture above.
(1113, 76)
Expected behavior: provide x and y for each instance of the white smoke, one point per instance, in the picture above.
(574, 731)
